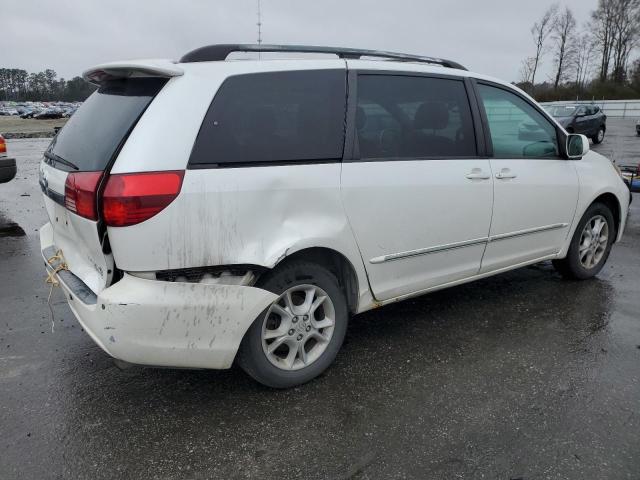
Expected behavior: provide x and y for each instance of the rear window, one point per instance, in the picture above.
(274, 117)
(402, 117)
(98, 127)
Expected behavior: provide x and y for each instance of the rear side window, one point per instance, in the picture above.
(413, 117)
(274, 117)
(96, 130)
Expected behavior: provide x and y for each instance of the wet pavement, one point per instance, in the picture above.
(523, 375)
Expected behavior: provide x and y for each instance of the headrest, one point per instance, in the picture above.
(263, 119)
(432, 114)
(361, 118)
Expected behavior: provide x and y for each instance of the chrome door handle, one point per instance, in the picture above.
(477, 174)
(505, 174)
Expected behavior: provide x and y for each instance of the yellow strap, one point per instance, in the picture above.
(51, 276)
(51, 279)
(57, 256)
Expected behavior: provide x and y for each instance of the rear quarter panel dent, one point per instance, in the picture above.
(254, 216)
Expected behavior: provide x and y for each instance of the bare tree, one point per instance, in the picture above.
(526, 69)
(616, 26)
(625, 35)
(602, 25)
(562, 33)
(582, 60)
(540, 32)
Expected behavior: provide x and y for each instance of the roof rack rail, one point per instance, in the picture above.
(222, 51)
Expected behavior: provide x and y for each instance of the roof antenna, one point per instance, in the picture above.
(259, 24)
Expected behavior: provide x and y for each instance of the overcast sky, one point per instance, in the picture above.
(487, 36)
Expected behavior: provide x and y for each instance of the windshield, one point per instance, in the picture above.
(561, 110)
(94, 133)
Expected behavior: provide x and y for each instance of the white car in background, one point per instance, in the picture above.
(208, 211)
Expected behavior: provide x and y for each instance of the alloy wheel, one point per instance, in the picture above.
(298, 327)
(593, 242)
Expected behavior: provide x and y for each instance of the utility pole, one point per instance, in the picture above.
(259, 24)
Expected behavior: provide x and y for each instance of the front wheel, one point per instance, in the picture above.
(599, 136)
(298, 336)
(590, 245)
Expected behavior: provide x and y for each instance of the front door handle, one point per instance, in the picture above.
(477, 174)
(504, 174)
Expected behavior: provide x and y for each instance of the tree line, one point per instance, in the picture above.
(19, 85)
(592, 61)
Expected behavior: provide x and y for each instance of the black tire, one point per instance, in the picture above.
(251, 356)
(571, 267)
(596, 138)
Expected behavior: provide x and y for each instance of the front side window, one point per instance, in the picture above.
(274, 117)
(517, 129)
(413, 117)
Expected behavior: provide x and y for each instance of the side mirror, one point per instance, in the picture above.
(577, 146)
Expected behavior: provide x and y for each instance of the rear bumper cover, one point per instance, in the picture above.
(8, 169)
(156, 323)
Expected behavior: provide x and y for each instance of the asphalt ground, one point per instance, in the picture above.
(519, 376)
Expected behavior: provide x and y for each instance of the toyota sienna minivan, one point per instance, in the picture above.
(211, 211)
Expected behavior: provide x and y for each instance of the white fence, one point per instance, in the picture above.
(611, 108)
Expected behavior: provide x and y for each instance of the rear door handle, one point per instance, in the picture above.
(477, 174)
(504, 174)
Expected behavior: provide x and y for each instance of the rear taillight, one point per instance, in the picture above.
(80, 192)
(3, 145)
(131, 198)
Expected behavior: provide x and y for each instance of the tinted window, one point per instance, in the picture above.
(94, 132)
(280, 116)
(517, 129)
(413, 117)
(562, 110)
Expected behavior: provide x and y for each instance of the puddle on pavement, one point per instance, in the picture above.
(11, 230)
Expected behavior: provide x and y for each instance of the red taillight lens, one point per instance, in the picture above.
(131, 198)
(80, 192)
(3, 145)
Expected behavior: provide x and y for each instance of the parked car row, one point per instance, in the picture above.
(40, 110)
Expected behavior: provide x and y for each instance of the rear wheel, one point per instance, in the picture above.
(599, 136)
(590, 245)
(298, 336)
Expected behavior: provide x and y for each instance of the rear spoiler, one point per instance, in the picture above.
(132, 69)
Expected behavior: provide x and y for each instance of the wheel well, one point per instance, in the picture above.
(611, 201)
(337, 264)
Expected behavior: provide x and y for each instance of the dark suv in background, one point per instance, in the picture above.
(584, 119)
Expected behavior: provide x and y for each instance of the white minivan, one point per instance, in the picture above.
(212, 210)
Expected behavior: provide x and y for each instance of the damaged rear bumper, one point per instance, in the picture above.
(157, 323)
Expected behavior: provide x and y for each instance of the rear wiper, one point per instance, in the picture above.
(58, 159)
